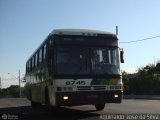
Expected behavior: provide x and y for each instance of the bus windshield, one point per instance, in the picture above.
(87, 60)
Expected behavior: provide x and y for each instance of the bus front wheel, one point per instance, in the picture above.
(99, 106)
(33, 104)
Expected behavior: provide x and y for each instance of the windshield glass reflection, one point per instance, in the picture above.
(84, 61)
(104, 61)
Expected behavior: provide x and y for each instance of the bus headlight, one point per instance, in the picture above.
(65, 97)
(116, 96)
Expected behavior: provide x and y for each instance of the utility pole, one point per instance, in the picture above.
(116, 30)
(19, 79)
(19, 84)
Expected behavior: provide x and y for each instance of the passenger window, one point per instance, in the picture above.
(27, 68)
(32, 63)
(35, 60)
(40, 56)
(44, 51)
(50, 42)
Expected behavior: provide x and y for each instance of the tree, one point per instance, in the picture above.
(125, 79)
(14, 90)
(143, 82)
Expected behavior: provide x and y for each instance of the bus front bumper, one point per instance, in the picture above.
(88, 97)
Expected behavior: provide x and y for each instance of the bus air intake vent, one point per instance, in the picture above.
(84, 88)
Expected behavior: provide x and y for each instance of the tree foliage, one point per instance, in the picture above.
(145, 81)
(12, 91)
(158, 68)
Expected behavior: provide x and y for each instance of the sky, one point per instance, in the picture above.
(24, 24)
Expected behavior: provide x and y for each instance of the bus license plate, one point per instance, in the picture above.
(92, 96)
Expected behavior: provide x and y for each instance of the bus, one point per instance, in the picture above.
(75, 67)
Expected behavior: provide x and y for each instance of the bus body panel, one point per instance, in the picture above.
(89, 97)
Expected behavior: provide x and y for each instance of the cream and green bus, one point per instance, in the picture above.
(75, 67)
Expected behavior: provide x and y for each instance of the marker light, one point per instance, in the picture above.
(116, 96)
(65, 97)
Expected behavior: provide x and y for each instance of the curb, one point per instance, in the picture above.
(149, 97)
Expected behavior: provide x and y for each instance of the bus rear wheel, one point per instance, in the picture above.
(99, 106)
(35, 104)
(47, 101)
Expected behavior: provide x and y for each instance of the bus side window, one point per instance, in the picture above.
(36, 60)
(33, 62)
(44, 52)
(40, 56)
(50, 42)
(27, 68)
(31, 65)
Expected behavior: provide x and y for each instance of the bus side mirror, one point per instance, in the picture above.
(158, 67)
(122, 56)
(24, 79)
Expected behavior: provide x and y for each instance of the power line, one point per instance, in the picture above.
(142, 39)
(15, 78)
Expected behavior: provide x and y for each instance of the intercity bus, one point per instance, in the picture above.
(75, 67)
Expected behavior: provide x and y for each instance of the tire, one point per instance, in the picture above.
(33, 104)
(99, 106)
(30, 95)
(47, 101)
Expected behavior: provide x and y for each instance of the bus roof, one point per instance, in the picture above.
(82, 32)
(85, 32)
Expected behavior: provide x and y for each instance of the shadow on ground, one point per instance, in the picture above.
(47, 113)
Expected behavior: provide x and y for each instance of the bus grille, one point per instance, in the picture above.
(83, 88)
